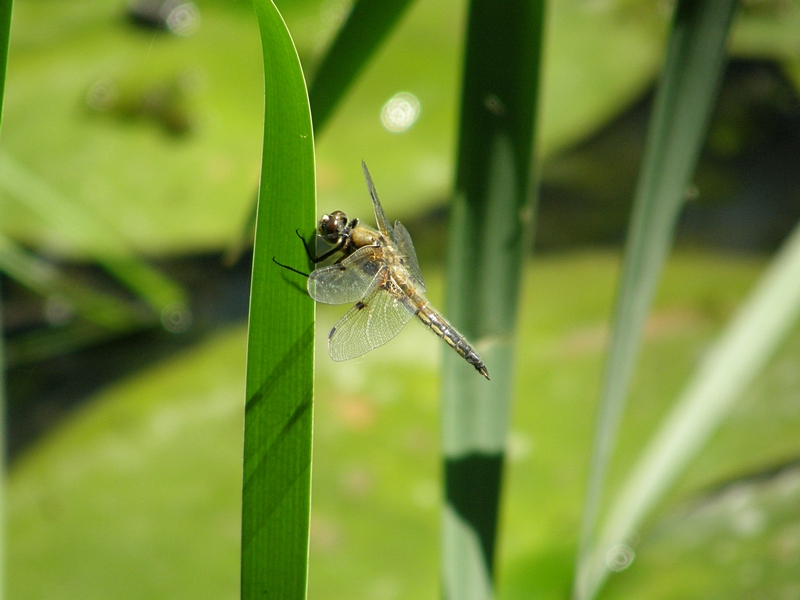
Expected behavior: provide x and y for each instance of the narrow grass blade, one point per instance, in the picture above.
(367, 26)
(280, 356)
(739, 354)
(42, 344)
(106, 311)
(5, 30)
(489, 230)
(686, 93)
(81, 228)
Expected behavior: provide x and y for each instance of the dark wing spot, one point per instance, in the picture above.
(371, 268)
(330, 335)
(360, 305)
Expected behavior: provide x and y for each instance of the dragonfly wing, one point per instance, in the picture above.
(347, 281)
(372, 322)
(406, 249)
(380, 217)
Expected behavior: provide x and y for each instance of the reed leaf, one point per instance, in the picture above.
(686, 93)
(489, 230)
(366, 27)
(46, 280)
(48, 342)
(280, 355)
(86, 233)
(5, 31)
(743, 349)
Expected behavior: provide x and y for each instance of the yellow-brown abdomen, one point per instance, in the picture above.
(439, 325)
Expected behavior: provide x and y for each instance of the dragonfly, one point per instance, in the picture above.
(378, 271)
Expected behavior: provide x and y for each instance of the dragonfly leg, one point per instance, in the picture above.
(305, 246)
(288, 268)
(318, 259)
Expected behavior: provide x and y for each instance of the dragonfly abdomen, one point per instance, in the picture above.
(439, 325)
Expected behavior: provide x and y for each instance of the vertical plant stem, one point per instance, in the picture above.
(686, 94)
(276, 483)
(491, 220)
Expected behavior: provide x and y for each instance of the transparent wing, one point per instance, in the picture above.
(370, 323)
(406, 249)
(380, 217)
(347, 281)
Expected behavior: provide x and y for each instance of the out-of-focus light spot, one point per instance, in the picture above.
(325, 533)
(58, 310)
(357, 482)
(176, 317)
(748, 522)
(103, 95)
(177, 16)
(518, 446)
(385, 588)
(495, 105)
(619, 557)
(184, 19)
(400, 112)
(356, 412)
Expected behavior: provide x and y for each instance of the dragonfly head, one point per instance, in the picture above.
(333, 227)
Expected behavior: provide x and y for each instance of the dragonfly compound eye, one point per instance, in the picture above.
(333, 225)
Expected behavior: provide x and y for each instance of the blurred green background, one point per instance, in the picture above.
(136, 146)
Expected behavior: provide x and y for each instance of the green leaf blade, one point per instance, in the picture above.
(280, 358)
(87, 233)
(43, 278)
(725, 374)
(686, 93)
(489, 229)
(5, 30)
(367, 26)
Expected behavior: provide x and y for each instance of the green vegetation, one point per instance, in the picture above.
(125, 145)
(279, 396)
(491, 224)
(687, 91)
(138, 492)
(5, 29)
